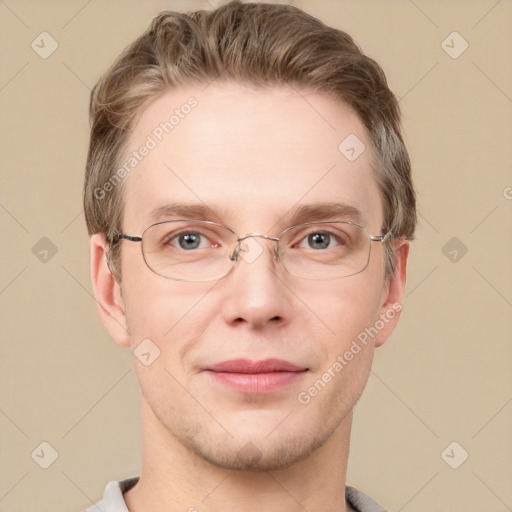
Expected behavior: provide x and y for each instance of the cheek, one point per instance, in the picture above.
(347, 351)
(159, 315)
(349, 306)
(172, 315)
(153, 304)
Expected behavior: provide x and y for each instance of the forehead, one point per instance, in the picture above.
(248, 155)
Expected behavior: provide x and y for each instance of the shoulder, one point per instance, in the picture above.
(113, 500)
(361, 502)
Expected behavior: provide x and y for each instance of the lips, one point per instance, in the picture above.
(265, 376)
(264, 366)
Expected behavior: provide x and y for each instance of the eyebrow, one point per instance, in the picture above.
(325, 211)
(184, 211)
(298, 215)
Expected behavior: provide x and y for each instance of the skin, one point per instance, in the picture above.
(251, 156)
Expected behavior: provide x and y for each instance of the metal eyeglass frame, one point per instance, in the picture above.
(239, 239)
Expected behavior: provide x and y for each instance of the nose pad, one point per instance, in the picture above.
(249, 249)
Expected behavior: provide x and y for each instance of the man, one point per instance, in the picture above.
(249, 200)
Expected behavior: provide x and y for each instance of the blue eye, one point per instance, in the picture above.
(319, 240)
(189, 241)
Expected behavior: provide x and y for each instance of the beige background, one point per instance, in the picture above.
(445, 374)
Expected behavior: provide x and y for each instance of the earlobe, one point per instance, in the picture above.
(107, 292)
(393, 293)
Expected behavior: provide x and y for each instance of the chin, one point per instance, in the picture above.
(257, 451)
(256, 456)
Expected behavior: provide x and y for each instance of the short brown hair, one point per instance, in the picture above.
(260, 44)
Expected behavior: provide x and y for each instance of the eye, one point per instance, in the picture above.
(319, 240)
(188, 240)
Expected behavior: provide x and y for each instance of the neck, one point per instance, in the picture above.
(175, 479)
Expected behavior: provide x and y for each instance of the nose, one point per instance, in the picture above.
(244, 246)
(256, 292)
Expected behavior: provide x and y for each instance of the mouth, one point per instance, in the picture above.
(265, 376)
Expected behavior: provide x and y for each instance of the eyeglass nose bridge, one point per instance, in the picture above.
(234, 255)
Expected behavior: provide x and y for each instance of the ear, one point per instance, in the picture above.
(391, 301)
(108, 292)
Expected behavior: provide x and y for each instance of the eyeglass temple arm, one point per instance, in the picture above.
(381, 238)
(120, 236)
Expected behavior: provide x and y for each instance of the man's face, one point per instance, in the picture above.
(252, 157)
